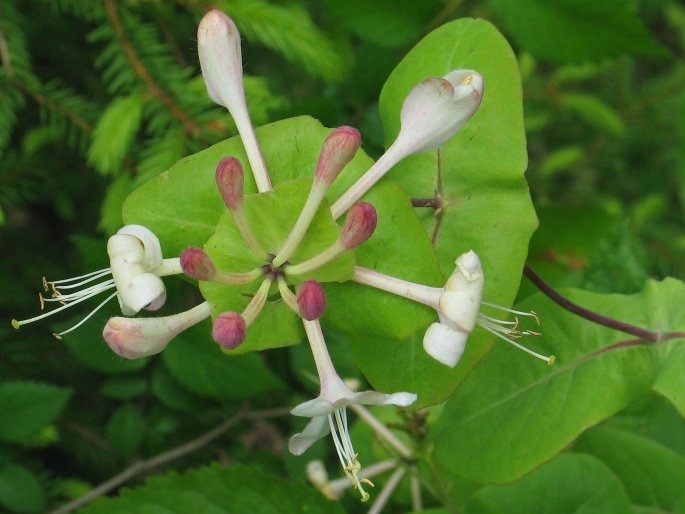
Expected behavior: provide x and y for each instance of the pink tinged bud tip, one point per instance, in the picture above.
(229, 330)
(133, 338)
(359, 225)
(337, 151)
(196, 264)
(230, 180)
(311, 299)
(437, 108)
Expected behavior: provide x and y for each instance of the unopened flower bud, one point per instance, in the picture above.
(230, 179)
(437, 108)
(337, 150)
(229, 330)
(311, 299)
(133, 338)
(196, 264)
(359, 225)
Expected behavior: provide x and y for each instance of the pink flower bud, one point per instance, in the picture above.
(311, 299)
(229, 330)
(196, 264)
(359, 225)
(133, 338)
(337, 150)
(230, 179)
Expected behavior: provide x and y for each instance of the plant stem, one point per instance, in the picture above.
(167, 456)
(552, 294)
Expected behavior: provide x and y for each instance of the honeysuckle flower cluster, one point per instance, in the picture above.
(431, 114)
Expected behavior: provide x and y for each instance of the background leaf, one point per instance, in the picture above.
(511, 396)
(216, 489)
(28, 407)
(571, 31)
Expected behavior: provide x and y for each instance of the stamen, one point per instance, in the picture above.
(93, 275)
(343, 446)
(533, 314)
(70, 299)
(508, 335)
(87, 317)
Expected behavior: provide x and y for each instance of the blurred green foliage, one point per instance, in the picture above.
(99, 96)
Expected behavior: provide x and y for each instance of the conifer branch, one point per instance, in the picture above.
(190, 126)
(62, 110)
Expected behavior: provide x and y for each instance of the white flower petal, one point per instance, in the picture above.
(444, 344)
(317, 428)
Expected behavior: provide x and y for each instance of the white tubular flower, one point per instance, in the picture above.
(328, 410)
(437, 108)
(134, 256)
(133, 338)
(218, 47)
(136, 267)
(431, 114)
(457, 305)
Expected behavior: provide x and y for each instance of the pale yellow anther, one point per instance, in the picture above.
(367, 481)
(45, 284)
(42, 302)
(467, 80)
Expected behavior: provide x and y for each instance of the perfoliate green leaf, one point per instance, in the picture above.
(184, 208)
(218, 490)
(574, 31)
(570, 484)
(653, 475)
(513, 412)
(480, 178)
(28, 407)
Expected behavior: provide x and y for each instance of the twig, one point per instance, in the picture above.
(167, 456)
(552, 294)
(141, 71)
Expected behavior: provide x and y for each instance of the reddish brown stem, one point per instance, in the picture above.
(552, 294)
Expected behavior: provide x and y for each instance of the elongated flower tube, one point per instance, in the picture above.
(458, 307)
(218, 47)
(336, 152)
(431, 114)
(328, 411)
(136, 267)
(133, 338)
(358, 228)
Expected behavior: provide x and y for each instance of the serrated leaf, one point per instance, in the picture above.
(20, 490)
(217, 490)
(570, 484)
(488, 207)
(28, 407)
(653, 475)
(197, 363)
(514, 413)
(126, 430)
(114, 133)
(574, 31)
